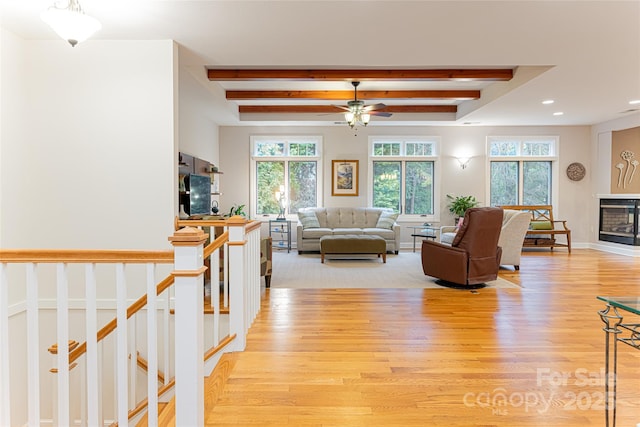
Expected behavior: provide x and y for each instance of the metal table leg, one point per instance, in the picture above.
(612, 322)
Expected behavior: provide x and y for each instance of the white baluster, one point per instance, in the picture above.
(225, 273)
(33, 344)
(5, 385)
(166, 336)
(91, 324)
(152, 348)
(133, 358)
(63, 345)
(215, 294)
(237, 316)
(122, 395)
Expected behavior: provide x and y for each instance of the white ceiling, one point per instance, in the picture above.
(583, 54)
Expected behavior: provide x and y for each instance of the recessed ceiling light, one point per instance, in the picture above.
(634, 102)
(548, 101)
(558, 113)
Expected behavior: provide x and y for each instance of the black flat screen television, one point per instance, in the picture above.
(199, 195)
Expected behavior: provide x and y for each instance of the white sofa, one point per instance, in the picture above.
(313, 223)
(514, 228)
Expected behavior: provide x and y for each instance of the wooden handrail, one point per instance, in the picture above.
(144, 365)
(252, 225)
(140, 303)
(75, 256)
(111, 326)
(162, 390)
(216, 244)
(78, 256)
(179, 223)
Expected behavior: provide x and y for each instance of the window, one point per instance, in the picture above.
(284, 173)
(402, 171)
(521, 170)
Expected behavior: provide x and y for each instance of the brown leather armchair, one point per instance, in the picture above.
(474, 255)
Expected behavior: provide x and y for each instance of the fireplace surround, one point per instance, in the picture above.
(619, 221)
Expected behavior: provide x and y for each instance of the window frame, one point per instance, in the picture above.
(403, 158)
(521, 159)
(286, 158)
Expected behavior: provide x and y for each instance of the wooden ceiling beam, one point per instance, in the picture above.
(248, 74)
(344, 95)
(329, 109)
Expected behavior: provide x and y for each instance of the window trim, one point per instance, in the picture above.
(253, 191)
(553, 158)
(435, 158)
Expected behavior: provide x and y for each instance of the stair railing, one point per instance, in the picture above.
(34, 295)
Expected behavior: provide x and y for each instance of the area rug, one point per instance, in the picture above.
(404, 270)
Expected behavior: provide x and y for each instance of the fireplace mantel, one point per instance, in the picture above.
(618, 196)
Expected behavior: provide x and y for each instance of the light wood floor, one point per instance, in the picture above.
(439, 357)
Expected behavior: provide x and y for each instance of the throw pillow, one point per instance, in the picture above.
(541, 225)
(308, 219)
(386, 220)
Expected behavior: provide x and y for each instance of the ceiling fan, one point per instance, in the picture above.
(357, 112)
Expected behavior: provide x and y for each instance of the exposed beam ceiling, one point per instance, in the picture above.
(347, 95)
(433, 101)
(328, 109)
(587, 58)
(225, 74)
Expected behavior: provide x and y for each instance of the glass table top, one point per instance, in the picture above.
(630, 304)
(424, 232)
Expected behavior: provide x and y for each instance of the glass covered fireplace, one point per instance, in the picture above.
(619, 221)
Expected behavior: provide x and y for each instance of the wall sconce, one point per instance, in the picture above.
(464, 161)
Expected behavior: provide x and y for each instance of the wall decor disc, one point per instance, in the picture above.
(576, 171)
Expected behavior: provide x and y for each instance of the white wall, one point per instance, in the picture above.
(87, 143)
(11, 115)
(197, 128)
(88, 161)
(340, 143)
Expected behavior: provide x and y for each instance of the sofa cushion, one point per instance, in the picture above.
(541, 225)
(345, 230)
(382, 232)
(386, 220)
(316, 233)
(308, 219)
(447, 238)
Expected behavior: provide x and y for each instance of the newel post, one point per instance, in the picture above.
(237, 277)
(189, 325)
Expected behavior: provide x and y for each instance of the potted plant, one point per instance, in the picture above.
(237, 210)
(458, 205)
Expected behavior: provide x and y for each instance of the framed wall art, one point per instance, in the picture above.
(344, 177)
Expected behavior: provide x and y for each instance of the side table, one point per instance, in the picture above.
(424, 231)
(617, 331)
(280, 233)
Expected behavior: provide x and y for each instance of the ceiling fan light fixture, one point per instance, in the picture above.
(364, 118)
(349, 117)
(70, 22)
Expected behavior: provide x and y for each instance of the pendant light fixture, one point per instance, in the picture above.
(69, 21)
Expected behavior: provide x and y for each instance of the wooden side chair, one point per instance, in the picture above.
(266, 257)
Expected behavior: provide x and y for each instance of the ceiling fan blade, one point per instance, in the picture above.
(342, 107)
(380, 114)
(379, 106)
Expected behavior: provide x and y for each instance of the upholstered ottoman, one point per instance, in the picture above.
(359, 244)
